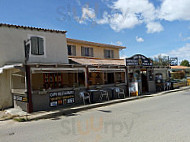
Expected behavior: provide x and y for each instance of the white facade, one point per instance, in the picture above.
(12, 52)
(12, 46)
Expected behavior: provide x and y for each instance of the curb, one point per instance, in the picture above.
(69, 111)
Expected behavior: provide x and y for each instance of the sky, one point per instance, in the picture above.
(148, 27)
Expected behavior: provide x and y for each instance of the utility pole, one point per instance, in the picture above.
(28, 78)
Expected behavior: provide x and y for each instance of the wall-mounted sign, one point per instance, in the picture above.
(20, 98)
(138, 60)
(61, 98)
(173, 61)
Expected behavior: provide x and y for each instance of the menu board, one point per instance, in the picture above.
(61, 98)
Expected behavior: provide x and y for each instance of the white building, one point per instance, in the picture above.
(46, 47)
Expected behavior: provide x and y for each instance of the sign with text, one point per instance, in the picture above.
(173, 61)
(138, 60)
(20, 98)
(61, 98)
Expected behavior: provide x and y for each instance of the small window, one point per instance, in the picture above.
(71, 50)
(87, 51)
(108, 53)
(37, 46)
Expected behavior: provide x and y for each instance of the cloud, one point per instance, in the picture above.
(183, 38)
(127, 14)
(88, 14)
(182, 53)
(153, 27)
(139, 39)
(175, 10)
(123, 54)
(119, 43)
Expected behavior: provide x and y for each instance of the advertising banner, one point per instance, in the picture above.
(61, 98)
(133, 88)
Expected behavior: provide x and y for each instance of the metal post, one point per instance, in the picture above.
(127, 79)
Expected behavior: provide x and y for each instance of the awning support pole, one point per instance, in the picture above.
(86, 77)
(28, 78)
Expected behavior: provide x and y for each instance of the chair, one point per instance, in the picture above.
(119, 92)
(85, 96)
(104, 93)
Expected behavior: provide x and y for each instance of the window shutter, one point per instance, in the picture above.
(105, 53)
(73, 50)
(41, 46)
(112, 54)
(83, 51)
(91, 52)
(69, 49)
(34, 45)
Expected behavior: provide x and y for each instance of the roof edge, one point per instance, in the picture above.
(94, 43)
(31, 28)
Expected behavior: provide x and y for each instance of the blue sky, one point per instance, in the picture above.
(149, 27)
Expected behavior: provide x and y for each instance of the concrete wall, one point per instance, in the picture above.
(98, 51)
(12, 46)
(41, 101)
(151, 86)
(5, 90)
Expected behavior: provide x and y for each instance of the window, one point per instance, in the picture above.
(108, 53)
(37, 46)
(87, 51)
(120, 77)
(109, 78)
(71, 50)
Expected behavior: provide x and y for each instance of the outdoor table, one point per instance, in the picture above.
(92, 94)
(112, 92)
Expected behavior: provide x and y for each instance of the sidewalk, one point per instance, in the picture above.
(23, 116)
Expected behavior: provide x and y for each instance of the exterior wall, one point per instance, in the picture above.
(5, 90)
(41, 101)
(151, 86)
(98, 51)
(12, 46)
(163, 71)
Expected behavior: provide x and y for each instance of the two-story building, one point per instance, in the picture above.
(105, 70)
(21, 46)
(41, 69)
(98, 56)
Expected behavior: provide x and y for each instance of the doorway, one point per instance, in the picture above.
(144, 81)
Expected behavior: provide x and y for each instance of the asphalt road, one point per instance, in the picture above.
(156, 119)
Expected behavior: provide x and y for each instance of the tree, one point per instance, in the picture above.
(185, 63)
(161, 61)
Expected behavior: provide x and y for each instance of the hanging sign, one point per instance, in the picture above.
(138, 60)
